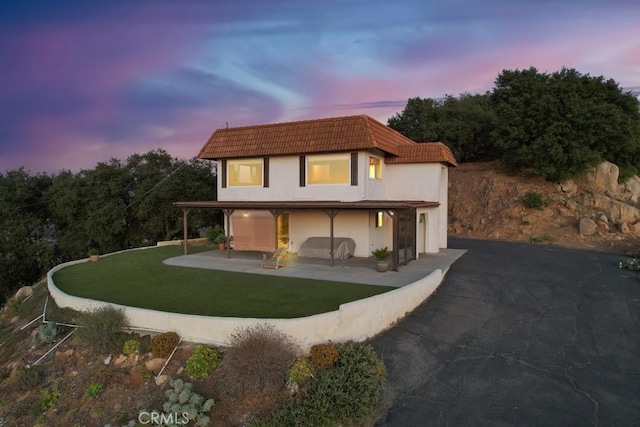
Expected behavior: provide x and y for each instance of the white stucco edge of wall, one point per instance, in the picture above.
(357, 320)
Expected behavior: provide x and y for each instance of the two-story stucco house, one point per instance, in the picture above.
(330, 187)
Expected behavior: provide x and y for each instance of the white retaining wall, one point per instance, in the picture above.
(357, 320)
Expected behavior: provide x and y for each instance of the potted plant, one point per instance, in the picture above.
(94, 255)
(216, 235)
(221, 240)
(381, 255)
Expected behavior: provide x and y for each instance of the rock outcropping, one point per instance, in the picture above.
(593, 211)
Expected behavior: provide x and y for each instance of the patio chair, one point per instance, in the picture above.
(275, 260)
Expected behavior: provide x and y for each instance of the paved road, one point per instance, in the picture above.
(520, 334)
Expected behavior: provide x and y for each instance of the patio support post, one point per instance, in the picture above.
(227, 215)
(185, 230)
(332, 214)
(395, 256)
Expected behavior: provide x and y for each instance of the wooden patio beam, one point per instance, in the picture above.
(332, 214)
(185, 230)
(227, 215)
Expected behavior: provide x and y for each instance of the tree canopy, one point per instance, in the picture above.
(46, 220)
(558, 125)
(464, 124)
(552, 125)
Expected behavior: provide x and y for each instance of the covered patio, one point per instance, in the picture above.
(352, 270)
(401, 212)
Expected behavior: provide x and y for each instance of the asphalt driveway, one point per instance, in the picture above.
(519, 334)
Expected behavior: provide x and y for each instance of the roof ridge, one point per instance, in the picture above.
(298, 122)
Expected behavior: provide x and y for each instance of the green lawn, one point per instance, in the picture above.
(140, 279)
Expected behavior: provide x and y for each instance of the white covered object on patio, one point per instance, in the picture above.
(318, 247)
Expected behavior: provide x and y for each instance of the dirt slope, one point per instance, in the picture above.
(486, 202)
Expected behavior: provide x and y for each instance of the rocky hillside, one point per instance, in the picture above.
(593, 212)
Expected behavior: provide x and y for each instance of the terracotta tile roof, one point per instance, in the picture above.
(425, 152)
(312, 136)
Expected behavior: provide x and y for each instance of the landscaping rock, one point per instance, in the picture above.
(161, 380)
(571, 204)
(66, 353)
(630, 190)
(587, 227)
(24, 292)
(154, 365)
(624, 228)
(603, 226)
(635, 228)
(107, 360)
(569, 187)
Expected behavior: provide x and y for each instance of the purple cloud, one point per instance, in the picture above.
(84, 82)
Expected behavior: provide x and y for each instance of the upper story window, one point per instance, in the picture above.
(375, 168)
(329, 169)
(245, 172)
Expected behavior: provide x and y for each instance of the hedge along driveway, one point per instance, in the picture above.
(140, 279)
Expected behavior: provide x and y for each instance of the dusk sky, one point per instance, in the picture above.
(82, 82)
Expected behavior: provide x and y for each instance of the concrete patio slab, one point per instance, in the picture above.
(352, 270)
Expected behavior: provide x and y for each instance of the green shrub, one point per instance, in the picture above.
(532, 200)
(324, 355)
(46, 333)
(49, 397)
(93, 390)
(101, 328)
(630, 264)
(203, 361)
(258, 359)
(29, 378)
(345, 394)
(301, 371)
(14, 307)
(144, 344)
(163, 345)
(181, 399)
(215, 234)
(129, 347)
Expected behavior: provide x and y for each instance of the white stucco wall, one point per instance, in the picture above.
(353, 224)
(444, 207)
(427, 234)
(419, 181)
(413, 181)
(357, 320)
(284, 184)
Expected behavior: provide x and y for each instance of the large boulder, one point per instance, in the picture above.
(604, 177)
(618, 211)
(630, 189)
(569, 187)
(588, 227)
(24, 292)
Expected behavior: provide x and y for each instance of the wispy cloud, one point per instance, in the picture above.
(83, 82)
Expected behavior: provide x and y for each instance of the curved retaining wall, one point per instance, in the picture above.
(357, 320)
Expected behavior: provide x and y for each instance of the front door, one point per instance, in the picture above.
(283, 230)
